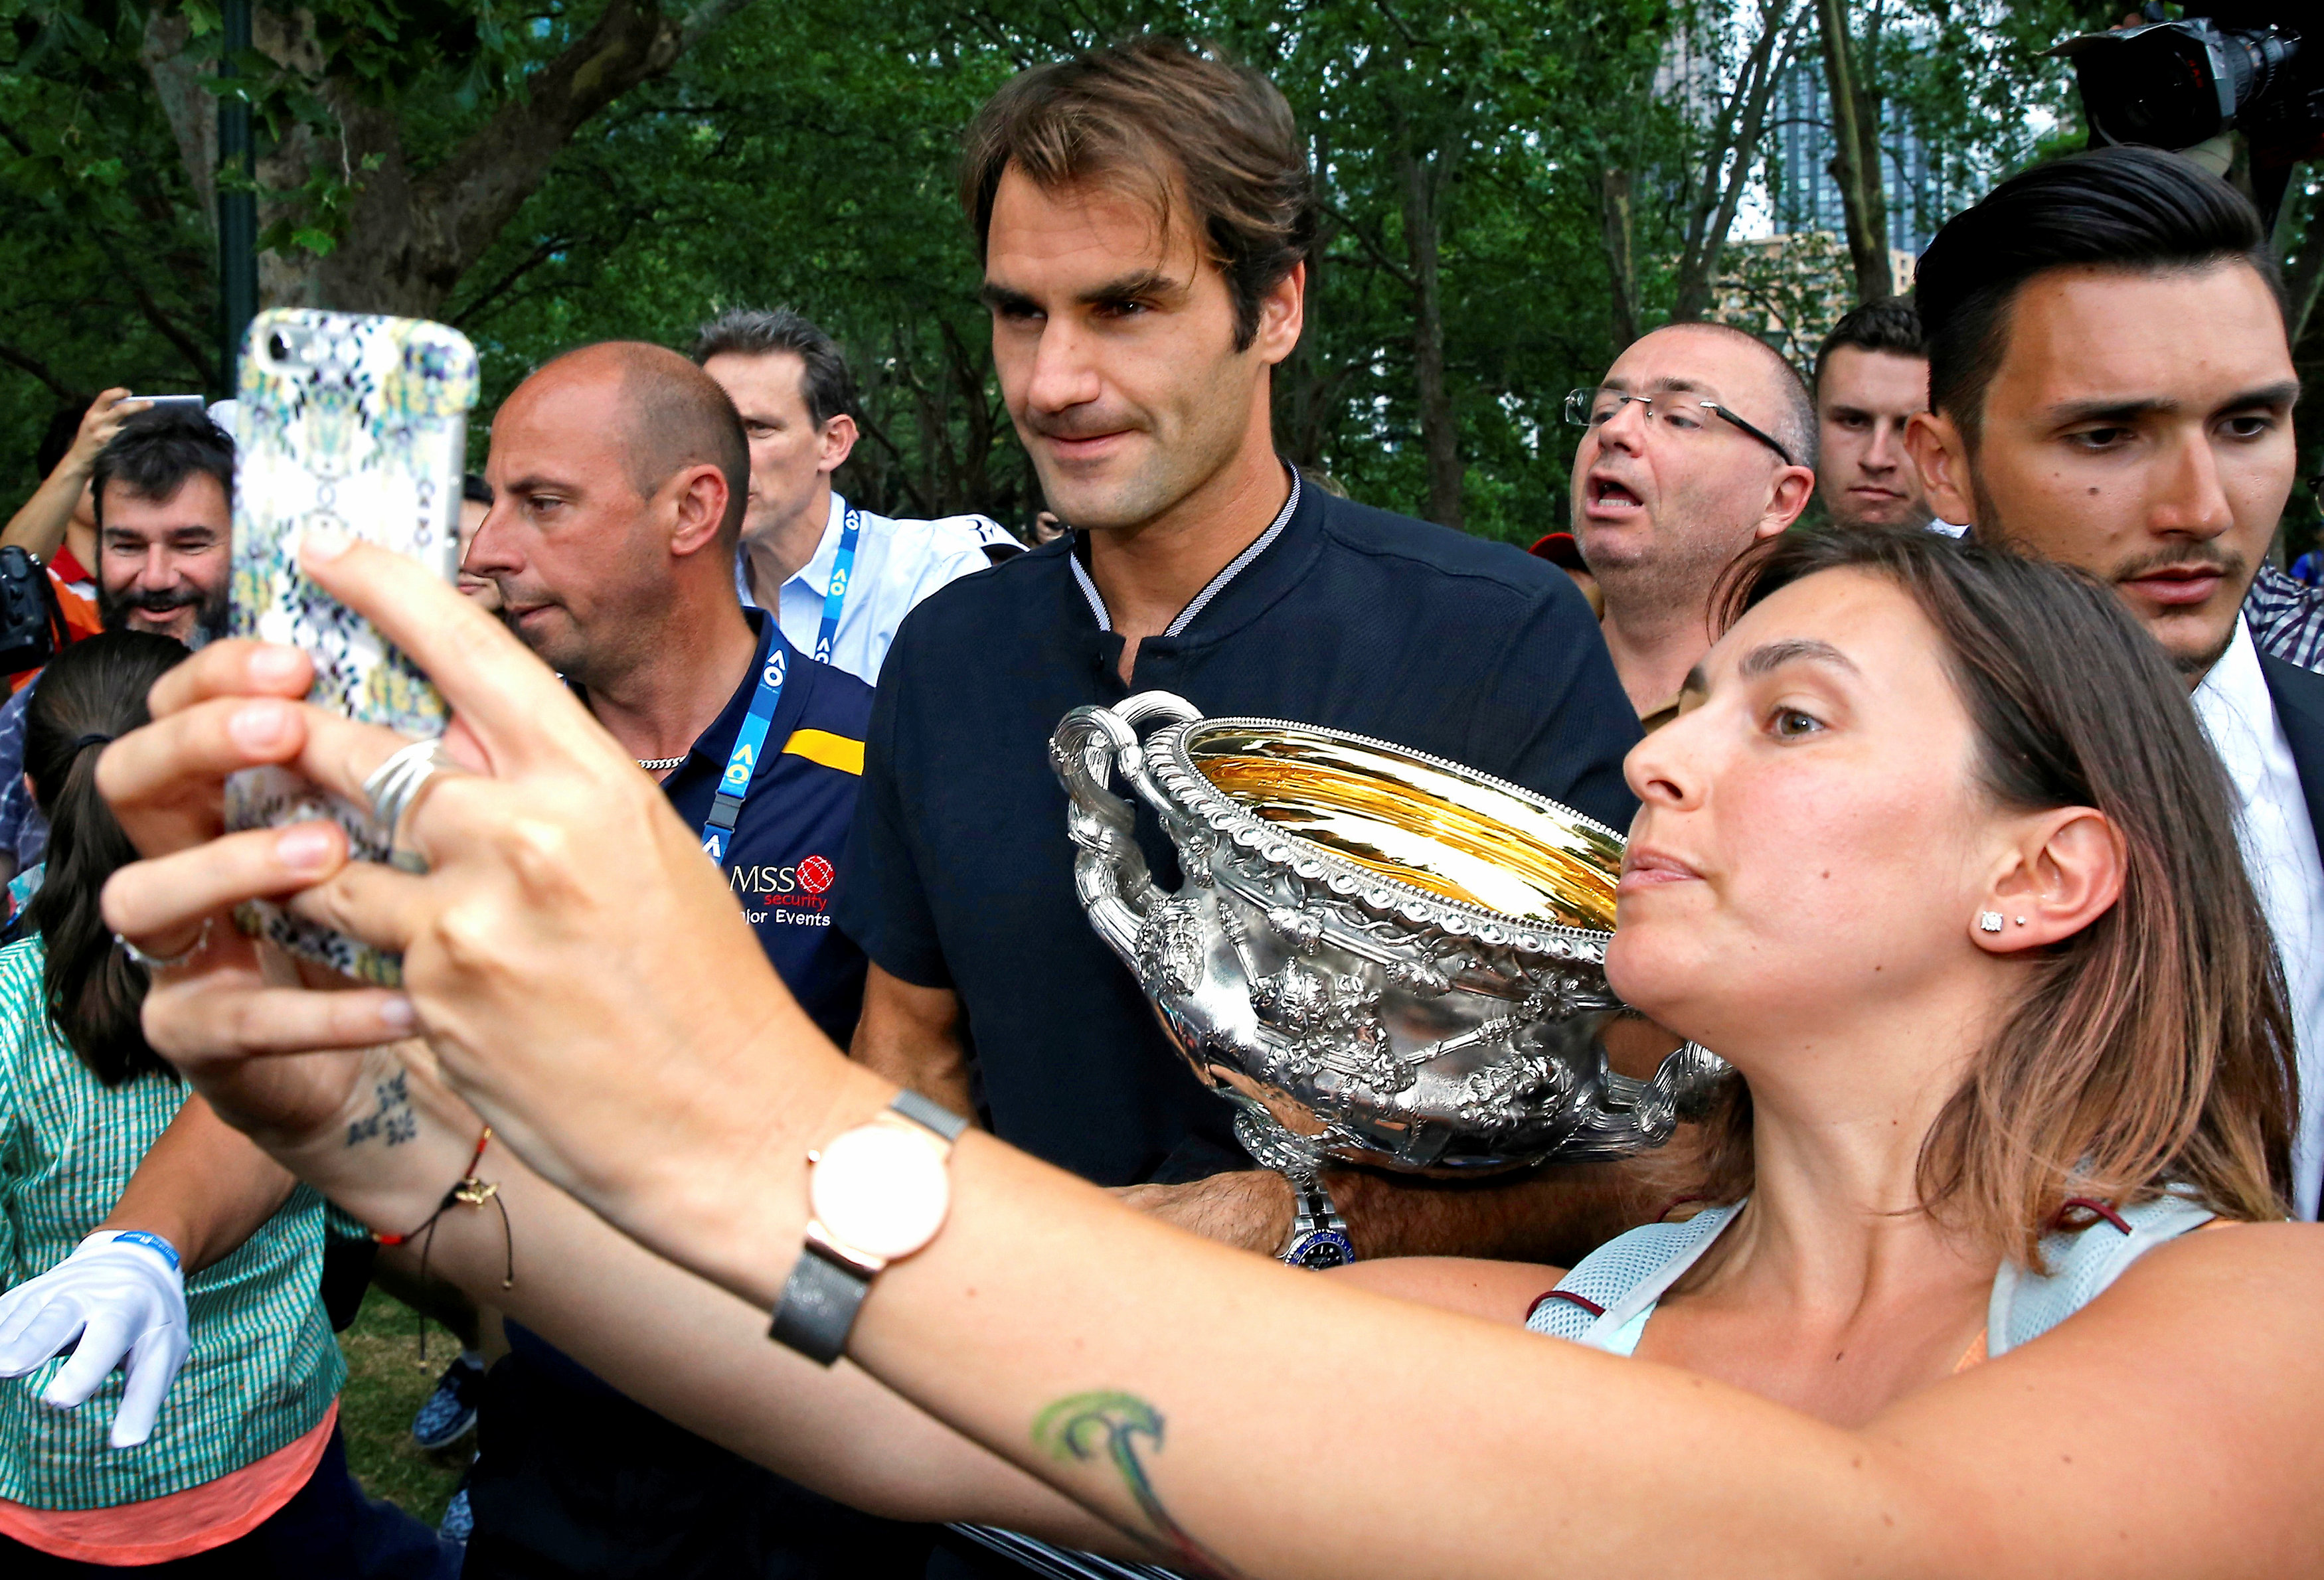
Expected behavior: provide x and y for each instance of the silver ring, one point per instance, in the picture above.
(395, 787)
(168, 963)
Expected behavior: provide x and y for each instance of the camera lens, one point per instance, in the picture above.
(278, 348)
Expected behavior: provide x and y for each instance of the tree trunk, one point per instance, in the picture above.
(183, 89)
(1426, 179)
(407, 239)
(1743, 122)
(1856, 161)
(1615, 231)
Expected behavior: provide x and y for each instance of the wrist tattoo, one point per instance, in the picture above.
(391, 1118)
(1088, 1426)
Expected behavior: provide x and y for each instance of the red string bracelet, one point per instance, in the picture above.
(467, 1191)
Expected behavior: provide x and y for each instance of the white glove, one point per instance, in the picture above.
(121, 1294)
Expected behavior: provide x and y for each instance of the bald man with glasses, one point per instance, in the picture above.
(1700, 441)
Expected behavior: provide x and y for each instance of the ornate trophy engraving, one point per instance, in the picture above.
(1380, 957)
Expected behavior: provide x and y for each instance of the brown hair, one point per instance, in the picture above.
(2154, 1047)
(1164, 121)
(90, 693)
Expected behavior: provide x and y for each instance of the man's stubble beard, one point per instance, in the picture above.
(1171, 471)
(1674, 579)
(1991, 528)
(214, 611)
(600, 658)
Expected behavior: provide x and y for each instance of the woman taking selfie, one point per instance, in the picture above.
(1936, 855)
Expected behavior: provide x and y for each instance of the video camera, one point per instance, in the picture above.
(2228, 65)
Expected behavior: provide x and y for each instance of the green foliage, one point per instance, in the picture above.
(803, 156)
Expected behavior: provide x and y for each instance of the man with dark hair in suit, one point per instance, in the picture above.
(2111, 386)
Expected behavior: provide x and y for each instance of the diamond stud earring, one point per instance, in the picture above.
(2021, 921)
(1989, 921)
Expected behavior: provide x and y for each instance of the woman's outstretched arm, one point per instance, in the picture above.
(582, 975)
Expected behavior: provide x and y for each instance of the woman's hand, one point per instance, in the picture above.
(573, 960)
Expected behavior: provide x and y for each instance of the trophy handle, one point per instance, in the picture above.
(1115, 886)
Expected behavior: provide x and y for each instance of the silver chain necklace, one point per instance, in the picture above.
(659, 765)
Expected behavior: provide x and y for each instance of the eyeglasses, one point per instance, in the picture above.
(1684, 415)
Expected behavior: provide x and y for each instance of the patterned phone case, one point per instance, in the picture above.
(359, 424)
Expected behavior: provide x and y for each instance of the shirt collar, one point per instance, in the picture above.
(1213, 587)
(816, 575)
(2234, 704)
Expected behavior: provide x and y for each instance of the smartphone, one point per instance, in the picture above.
(359, 424)
(182, 402)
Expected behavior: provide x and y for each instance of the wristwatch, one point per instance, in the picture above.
(875, 1194)
(1319, 1235)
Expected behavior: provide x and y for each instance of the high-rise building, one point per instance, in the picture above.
(1803, 194)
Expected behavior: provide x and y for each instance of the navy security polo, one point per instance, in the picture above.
(782, 862)
(959, 871)
(784, 855)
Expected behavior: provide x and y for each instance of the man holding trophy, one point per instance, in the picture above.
(1144, 214)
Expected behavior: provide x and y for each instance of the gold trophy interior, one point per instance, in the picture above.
(1456, 837)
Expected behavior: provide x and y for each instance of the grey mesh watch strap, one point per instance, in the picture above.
(928, 1115)
(817, 1308)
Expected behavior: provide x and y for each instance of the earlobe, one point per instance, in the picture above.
(1283, 315)
(839, 436)
(2066, 873)
(1933, 442)
(1794, 487)
(700, 507)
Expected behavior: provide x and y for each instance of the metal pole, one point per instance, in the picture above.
(238, 209)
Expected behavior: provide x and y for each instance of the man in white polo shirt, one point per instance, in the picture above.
(839, 579)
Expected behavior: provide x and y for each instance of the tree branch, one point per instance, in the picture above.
(409, 243)
(26, 361)
(499, 288)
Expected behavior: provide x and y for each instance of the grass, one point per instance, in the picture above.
(386, 1382)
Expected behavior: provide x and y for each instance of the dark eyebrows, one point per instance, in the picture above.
(1773, 656)
(522, 486)
(2280, 396)
(1001, 300)
(1142, 282)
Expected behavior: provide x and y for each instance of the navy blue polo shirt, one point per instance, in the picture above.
(783, 856)
(960, 874)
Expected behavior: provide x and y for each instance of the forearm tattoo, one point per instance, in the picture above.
(1083, 1427)
(391, 1117)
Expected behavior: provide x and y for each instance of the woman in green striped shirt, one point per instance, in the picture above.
(238, 1468)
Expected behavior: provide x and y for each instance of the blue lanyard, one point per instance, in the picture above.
(751, 740)
(742, 762)
(843, 568)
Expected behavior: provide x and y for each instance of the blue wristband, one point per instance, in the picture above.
(154, 1243)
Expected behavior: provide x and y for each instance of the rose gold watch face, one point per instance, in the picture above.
(879, 1191)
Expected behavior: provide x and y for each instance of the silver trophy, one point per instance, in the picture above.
(1380, 957)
